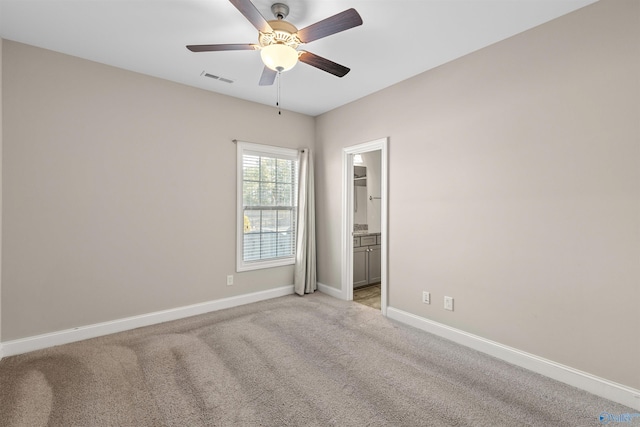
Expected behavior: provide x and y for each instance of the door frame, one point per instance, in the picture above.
(348, 214)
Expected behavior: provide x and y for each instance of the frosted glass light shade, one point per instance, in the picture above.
(279, 57)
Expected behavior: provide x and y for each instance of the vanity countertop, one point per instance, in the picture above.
(364, 233)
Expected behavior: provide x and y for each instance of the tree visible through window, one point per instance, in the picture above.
(267, 188)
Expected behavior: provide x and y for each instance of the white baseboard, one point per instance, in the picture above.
(330, 290)
(599, 386)
(38, 342)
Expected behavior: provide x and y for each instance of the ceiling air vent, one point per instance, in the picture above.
(213, 76)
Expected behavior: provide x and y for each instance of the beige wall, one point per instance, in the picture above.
(372, 160)
(1, 133)
(514, 188)
(119, 192)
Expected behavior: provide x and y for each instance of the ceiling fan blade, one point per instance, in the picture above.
(253, 15)
(220, 47)
(323, 64)
(334, 24)
(268, 77)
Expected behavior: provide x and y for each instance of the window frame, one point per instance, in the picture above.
(267, 151)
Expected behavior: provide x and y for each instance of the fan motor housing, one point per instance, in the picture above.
(283, 33)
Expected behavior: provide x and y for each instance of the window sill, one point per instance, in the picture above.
(259, 265)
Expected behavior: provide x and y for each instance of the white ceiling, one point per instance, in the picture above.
(398, 39)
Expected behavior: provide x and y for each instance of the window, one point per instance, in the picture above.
(267, 206)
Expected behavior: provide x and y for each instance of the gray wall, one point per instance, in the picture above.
(514, 188)
(119, 192)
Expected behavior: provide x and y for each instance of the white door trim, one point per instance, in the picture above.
(347, 216)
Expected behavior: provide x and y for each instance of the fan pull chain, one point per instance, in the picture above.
(278, 100)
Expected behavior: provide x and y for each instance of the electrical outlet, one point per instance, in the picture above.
(426, 297)
(448, 303)
(229, 280)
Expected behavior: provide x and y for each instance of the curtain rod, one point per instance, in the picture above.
(235, 141)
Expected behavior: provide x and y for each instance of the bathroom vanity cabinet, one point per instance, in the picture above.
(367, 268)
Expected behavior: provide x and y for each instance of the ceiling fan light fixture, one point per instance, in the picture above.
(279, 57)
(278, 40)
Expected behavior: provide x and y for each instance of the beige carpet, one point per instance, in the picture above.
(291, 361)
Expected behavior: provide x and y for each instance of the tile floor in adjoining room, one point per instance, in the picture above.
(368, 295)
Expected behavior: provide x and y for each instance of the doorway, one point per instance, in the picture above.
(352, 238)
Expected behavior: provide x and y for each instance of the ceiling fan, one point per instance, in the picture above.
(278, 40)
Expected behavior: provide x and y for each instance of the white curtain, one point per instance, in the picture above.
(305, 268)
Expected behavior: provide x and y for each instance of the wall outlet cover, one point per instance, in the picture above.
(229, 280)
(426, 297)
(448, 303)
